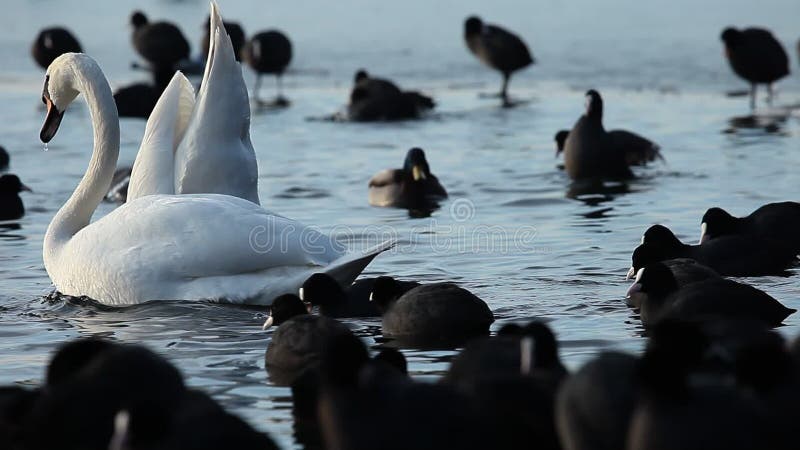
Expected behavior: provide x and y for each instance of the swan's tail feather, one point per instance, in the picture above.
(346, 269)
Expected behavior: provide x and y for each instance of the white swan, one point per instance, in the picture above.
(169, 247)
(202, 146)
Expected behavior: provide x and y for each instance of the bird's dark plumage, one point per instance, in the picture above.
(51, 43)
(756, 56)
(137, 100)
(373, 99)
(436, 313)
(774, 221)
(11, 207)
(728, 255)
(589, 150)
(497, 48)
(268, 52)
(713, 297)
(162, 44)
(638, 150)
(412, 187)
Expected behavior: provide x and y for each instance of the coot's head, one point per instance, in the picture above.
(594, 104)
(74, 356)
(473, 25)
(731, 36)
(321, 289)
(11, 184)
(561, 139)
(644, 255)
(138, 19)
(655, 280)
(716, 222)
(662, 237)
(416, 164)
(284, 308)
(360, 75)
(385, 291)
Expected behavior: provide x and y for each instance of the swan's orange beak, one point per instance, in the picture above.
(51, 121)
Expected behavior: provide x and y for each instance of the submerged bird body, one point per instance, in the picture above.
(728, 255)
(637, 150)
(715, 297)
(686, 271)
(497, 48)
(11, 206)
(52, 43)
(438, 312)
(589, 151)
(4, 158)
(374, 99)
(774, 221)
(137, 100)
(412, 187)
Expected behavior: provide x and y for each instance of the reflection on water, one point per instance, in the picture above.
(595, 192)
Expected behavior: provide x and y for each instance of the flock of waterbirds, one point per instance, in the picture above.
(714, 373)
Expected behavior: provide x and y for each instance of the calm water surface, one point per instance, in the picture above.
(515, 231)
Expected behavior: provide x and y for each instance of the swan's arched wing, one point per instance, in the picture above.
(216, 155)
(154, 168)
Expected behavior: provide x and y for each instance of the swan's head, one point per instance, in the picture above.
(60, 89)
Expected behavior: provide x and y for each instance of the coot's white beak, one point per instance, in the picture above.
(300, 294)
(268, 322)
(370, 296)
(703, 236)
(631, 273)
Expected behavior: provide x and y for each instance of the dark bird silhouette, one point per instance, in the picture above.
(589, 150)
(412, 187)
(269, 52)
(137, 100)
(497, 48)
(715, 297)
(4, 158)
(756, 56)
(161, 44)
(234, 30)
(11, 207)
(638, 150)
(375, 99)
(686, 271)
(736, 256)
(774, 221)
(299, 340)
(51, 43)
(434, 314)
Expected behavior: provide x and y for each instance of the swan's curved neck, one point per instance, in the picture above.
(77, 211)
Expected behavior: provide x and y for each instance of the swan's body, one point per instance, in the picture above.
(200, 146)
(170, 247)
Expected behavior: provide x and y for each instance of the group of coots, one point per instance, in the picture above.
(731, 383)
(165, 49)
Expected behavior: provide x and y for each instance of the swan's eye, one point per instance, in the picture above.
(44, 100)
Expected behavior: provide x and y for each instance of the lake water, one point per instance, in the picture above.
(515, 231)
